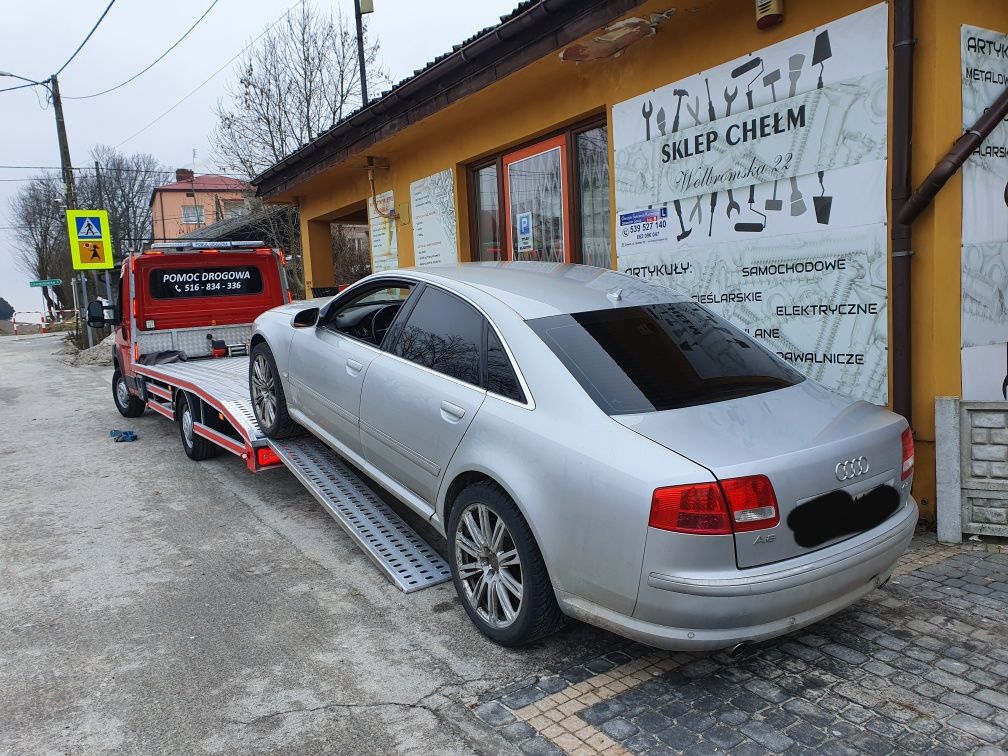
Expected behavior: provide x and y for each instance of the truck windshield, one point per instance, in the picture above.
(659, 357)
(175, 283)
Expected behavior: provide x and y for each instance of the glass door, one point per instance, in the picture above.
(536, 202)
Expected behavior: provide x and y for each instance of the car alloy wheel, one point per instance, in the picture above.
(263, 390)
(489, 565)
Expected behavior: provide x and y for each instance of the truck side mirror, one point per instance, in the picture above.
(96, 314)
(306, 318)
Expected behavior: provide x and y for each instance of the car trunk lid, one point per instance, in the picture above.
(804, 439)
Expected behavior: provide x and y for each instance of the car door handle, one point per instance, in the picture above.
(451, 413)
(353, 367)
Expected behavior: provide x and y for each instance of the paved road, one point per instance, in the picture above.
(157, 605)
(151, 604)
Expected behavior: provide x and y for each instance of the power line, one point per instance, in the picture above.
(81, 45)
(211, 76)
(158, 60)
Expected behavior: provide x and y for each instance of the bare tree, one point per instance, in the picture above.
(299, 80)
(351, 258)
(43, 250)
(126, 183)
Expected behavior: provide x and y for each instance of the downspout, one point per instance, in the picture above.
(947, 167)
(901, 234)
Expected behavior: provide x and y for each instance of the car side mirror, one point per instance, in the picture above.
(306, 318)
(100, 314)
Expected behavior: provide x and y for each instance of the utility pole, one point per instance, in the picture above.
(68, 182)
(368, 7)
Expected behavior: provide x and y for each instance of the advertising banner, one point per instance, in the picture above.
(384, 246)
(759, 187)
(432, 202)
(984, 222)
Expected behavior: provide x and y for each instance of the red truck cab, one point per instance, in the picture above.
(188, 300)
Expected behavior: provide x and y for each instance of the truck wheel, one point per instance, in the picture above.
(127, 404)
(196, 447)
(498, 570)
(268, 400)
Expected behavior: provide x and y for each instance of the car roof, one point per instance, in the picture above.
(536, 290)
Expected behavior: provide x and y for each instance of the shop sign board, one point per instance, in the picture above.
(384, 247)
(984, 307)
(432, 204)
(765, 178)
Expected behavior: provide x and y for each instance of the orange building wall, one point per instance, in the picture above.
(166, 211)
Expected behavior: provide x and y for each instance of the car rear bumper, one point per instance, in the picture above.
(696, 612)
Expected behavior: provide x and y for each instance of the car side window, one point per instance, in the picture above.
(444, 334)
(368, 315)
(501, 378)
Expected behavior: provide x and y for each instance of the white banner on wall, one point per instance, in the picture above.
(984, 222)
(384, 246)
(432, 202)
(759, 187)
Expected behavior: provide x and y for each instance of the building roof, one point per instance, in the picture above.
(533, 30)
(252, 225)
(209, 182)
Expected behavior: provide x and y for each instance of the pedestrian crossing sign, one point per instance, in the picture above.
(90, 240)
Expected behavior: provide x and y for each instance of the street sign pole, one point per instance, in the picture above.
(68, 180)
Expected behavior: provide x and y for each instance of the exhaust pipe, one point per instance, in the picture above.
(738, 649)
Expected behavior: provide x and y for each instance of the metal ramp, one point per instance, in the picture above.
(394, 546)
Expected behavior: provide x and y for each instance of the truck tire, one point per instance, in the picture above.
(503, 585)
(196, 447)
(268, 401)
(127, 404)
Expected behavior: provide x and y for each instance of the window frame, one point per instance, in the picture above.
(359, 292)
(200, 213)
(394, 331)
(571, 179)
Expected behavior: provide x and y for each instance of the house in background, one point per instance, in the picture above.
(191, 202)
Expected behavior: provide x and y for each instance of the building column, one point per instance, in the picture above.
(316, 244)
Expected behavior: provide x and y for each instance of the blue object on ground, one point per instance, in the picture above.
(123, 435)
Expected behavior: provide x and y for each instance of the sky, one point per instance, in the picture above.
(37, 37)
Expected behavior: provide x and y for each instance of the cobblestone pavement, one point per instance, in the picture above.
(920, 666)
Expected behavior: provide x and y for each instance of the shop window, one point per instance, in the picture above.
(546, 201)
(593, 183)
(486, 207)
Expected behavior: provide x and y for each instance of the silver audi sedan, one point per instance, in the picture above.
(595, 446)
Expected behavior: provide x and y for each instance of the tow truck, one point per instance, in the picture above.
(183, 321)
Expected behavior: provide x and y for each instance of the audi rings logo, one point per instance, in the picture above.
(851, 468)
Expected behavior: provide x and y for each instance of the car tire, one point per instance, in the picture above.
(268, 401)
(127, 404)
(196, 447)
(515, 559)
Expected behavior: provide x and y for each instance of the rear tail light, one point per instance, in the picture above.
(752, 502)
(735, 505)
(908, 454)
(698, 508)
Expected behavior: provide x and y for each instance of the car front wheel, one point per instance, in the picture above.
(268, 400)
(498, 569)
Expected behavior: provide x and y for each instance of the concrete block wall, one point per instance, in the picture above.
(972, 439)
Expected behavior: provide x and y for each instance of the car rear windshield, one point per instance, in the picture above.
(232, 280)
(660, 357)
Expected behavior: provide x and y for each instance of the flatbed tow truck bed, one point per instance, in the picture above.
(222, 385)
